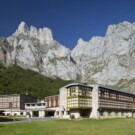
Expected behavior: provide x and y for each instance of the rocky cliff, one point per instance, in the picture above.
(36, 49)
(108, 60)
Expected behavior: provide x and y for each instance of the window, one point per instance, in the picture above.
(39, 104)
(117, 96)
(102, 94)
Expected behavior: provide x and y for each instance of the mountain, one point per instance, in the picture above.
(109, 60)
(35, 49)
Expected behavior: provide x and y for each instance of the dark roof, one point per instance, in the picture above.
(77, 84)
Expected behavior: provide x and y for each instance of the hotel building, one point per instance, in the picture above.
(78, 100)
(94, 101)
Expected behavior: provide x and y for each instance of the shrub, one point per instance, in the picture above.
(72, 116)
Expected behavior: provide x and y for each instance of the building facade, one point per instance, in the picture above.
(12, 104)
(94, 101)
(35, 109)
(76, 100)
(52, 101)
(52, 105)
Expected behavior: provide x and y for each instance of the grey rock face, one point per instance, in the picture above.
(108, 60)
(36, 49)
(5, 51)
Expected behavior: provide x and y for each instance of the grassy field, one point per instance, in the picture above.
(72, 127)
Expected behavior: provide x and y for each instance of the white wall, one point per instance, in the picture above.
(63, 99)
(41, 113)
(95, 105)
(76, 113)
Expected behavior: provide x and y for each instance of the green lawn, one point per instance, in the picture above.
(72, 127)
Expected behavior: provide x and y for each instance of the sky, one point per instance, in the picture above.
(69, 20)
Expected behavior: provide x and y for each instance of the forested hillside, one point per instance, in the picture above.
(17, 80)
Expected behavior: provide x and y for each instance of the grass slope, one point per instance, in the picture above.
(18, 80)
(124, 126)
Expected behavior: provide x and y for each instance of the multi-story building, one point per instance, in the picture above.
(52, 105)
(76, 100)
(94, 101)
(52, 101)
(112, 102)
(12, 104)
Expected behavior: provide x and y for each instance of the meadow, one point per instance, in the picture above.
(123, 126)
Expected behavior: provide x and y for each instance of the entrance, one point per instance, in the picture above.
(85, 113)
(35, 114)
(49, 113)
(1, 113)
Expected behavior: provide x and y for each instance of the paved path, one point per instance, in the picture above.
(30, 120)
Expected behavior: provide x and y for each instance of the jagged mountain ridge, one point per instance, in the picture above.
(108, 60)
(37, 50)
